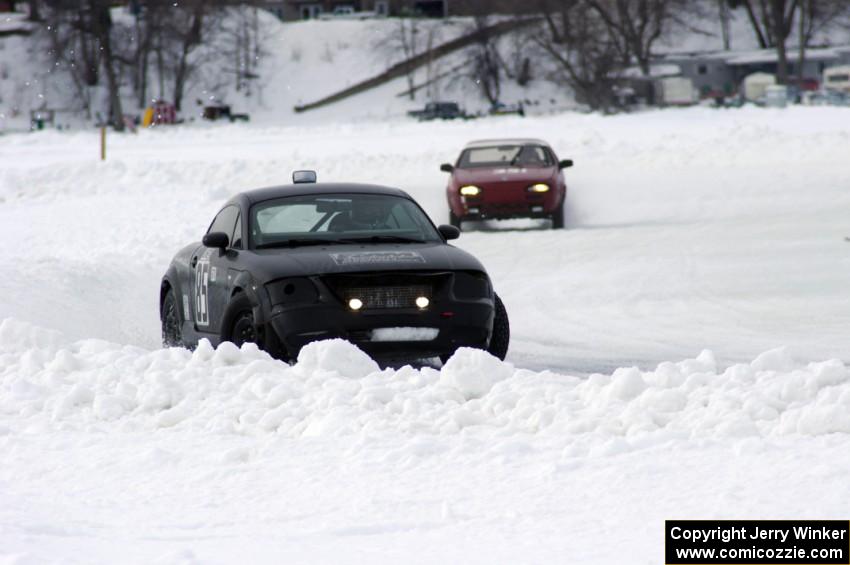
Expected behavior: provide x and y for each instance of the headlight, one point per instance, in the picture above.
(539, 187)
(471, 285)
(355, 304)
(294, 290)
(470, 190)
(422, 302)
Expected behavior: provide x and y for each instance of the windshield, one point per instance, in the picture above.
(338, 218)
(506, 156)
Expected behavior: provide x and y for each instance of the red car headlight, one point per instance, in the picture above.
(539, 187)
(470, 190)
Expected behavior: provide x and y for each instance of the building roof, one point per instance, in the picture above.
(656, 70)
(770, 56)
(756, 56)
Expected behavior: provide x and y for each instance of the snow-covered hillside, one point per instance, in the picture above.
(308, 60)
(678, 352)
(302, 63)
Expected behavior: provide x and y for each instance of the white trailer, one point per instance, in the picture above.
(837, 78)
(678, 91)
(755, 86)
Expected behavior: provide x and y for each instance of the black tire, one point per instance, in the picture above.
(501, 331)
(237, 325)
(454, 220)
(171, 332)
(558, 218)
(500, 337)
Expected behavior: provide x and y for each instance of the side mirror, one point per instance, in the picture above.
(565, 164)
(449, 232)
(446, 168)
(216, 239)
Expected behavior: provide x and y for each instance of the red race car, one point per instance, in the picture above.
(507, 178)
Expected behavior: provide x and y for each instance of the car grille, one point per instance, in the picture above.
(385, 291)
(382, 297)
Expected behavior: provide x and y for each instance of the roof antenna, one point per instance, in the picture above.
(304, 177)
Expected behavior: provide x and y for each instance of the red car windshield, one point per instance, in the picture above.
(506, 156)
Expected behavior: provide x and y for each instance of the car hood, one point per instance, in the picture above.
(270, 264)
(503, 174)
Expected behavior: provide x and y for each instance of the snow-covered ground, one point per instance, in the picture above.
(678, 352)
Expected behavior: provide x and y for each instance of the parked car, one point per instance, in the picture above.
(826, 98)
(438, 111)
(507, 178)
(215, 112)
(288, 265)
(500, 109)
(837, 98)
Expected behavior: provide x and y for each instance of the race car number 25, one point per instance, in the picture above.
(202, 287)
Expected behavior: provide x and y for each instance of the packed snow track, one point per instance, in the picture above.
(678, 352)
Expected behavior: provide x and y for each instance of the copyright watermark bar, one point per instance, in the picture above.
(757, 542)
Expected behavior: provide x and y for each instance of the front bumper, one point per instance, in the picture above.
(506, 204)
(469, 325)
(459, 322)
(506, 211)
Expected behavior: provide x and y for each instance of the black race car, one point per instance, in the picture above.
(288, 265)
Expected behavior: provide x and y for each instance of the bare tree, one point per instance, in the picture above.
(636, 25)
(772, 22)
(486, 62)
(240, 39)
(433, 68)
(578, 41)
(71, 52)
(149, 27)
(89, 27)
(34, 7)
(723, 13)
(187, 33)
(101, 29)
(517, 63)
(815, 16)
(170, 42)
(404, 39)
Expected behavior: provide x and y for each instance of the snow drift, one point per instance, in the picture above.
(336, 389)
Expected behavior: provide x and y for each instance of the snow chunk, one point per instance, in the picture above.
(335, 355)
(111, 407)
(627, 384)
(474, 372)
(774, 360)
(820, 420)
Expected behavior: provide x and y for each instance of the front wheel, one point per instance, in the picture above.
(171, 333)
(238, 324)
(501, 335)
(558, 218)
(454, 220)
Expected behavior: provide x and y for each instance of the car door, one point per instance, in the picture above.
(211, 290)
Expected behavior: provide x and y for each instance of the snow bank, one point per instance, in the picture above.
(335, 388)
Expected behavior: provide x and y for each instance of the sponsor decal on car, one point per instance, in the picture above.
(370, 257)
